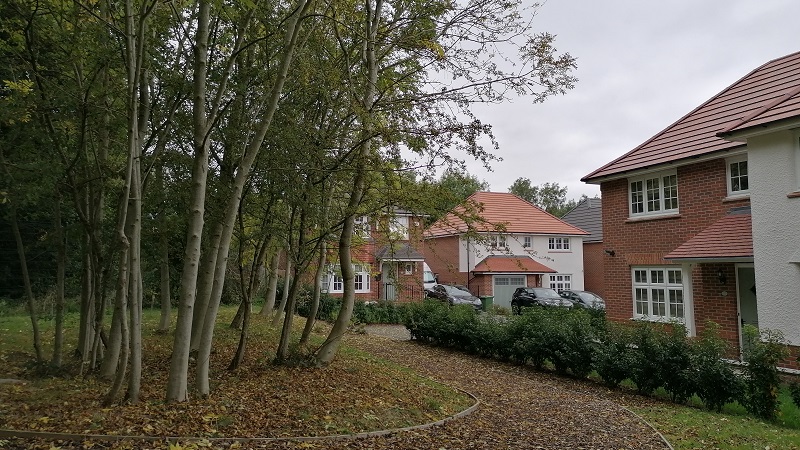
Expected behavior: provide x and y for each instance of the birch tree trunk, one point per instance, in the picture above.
(272, 284)
(179, 363)
(325, 354)
(61, 264)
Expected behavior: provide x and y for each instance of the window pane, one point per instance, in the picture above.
(657, 276)
(674, 276)
(659, 303)
(641, 302)
(676, 303)
(671, 192)
(640, 276)
(653, 195)
(637, 197)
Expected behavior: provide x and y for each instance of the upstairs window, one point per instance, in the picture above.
(398, 227)
(738, 183)
(526, 242)
(654, 194)
(558, 243)
(497, 241)
(361, 227)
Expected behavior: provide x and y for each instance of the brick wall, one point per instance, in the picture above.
(593, 274)
(442, 255)
(701, 193)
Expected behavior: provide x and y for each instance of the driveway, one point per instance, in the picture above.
(519, 408)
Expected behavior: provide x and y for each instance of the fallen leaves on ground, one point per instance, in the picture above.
(518, 408)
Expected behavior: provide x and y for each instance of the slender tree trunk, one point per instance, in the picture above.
(272, 284)
(163, 247)
(325, 354)
(23, 262)
(135, 299)
(312, 314)
(179, 363)
(240, 349)
(287, 280)
(61, 264)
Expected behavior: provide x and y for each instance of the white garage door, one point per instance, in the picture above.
(504, 287)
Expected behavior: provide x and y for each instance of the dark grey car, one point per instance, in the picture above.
(454, 296)
(584, 299)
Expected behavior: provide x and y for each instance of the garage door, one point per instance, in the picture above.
(504, 287)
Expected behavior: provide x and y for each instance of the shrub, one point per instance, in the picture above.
(614, 354)
(647, 357)
(764, 350)
(426, 320)
(675, 364)
(571, 341)
(715, 382)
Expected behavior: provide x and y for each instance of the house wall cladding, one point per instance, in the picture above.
(702, 192)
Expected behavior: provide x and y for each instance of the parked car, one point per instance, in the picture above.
(537, 296)
(584, 299)
(454, 296)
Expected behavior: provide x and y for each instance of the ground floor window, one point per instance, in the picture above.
(658, 293)
(560, 281)
(334, 282)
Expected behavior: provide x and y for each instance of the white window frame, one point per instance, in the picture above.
(654, 197)
(659, 293)
(497, 241)
(335, 283)
(560, 281)
(398, 227)
(409, 268)
(558, 244)
(361, 227)
(729, 175)
(527, 242)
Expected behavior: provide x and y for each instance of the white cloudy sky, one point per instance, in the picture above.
(641, 66)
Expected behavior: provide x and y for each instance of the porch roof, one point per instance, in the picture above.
(400, 251)
(511, 264)
(729, 238)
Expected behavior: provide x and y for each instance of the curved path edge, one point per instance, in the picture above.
(646, 422)
(77, 437)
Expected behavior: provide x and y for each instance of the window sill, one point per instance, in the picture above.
(657, 217)
(736, 198)
(657, 319)
(795, 194)
(559, 251)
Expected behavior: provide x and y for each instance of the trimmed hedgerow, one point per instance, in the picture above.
(577, 342)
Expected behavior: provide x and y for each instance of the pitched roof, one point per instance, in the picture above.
(730, 237)
(500, 212)
(768, 93)
(511, 264)
(587, 215)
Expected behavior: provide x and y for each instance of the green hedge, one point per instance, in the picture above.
(577, 342)
(363, 312)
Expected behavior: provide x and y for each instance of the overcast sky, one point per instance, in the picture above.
(642, 65)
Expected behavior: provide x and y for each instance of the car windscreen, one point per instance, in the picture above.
(543, 292)
(589, 297)
(452, 290)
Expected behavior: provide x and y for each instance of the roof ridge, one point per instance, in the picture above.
(766, 107)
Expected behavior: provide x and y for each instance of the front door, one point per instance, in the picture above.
(748, 306)
(389, 277)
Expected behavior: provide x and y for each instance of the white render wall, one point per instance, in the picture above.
(565, 262)
(773, 173)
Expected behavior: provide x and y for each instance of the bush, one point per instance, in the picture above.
(676, 362)
(715, 382)
(764, 350)
(379, 312)
(647, 357)
(614, 354)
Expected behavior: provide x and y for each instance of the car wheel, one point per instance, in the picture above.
(516, 308)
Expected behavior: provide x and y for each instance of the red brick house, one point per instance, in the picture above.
(510, 243)
(386, 259)
(678, 231)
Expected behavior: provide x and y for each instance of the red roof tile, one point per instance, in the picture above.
(501, 212)
(767, 94)
(729, 237)
(511, 264)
